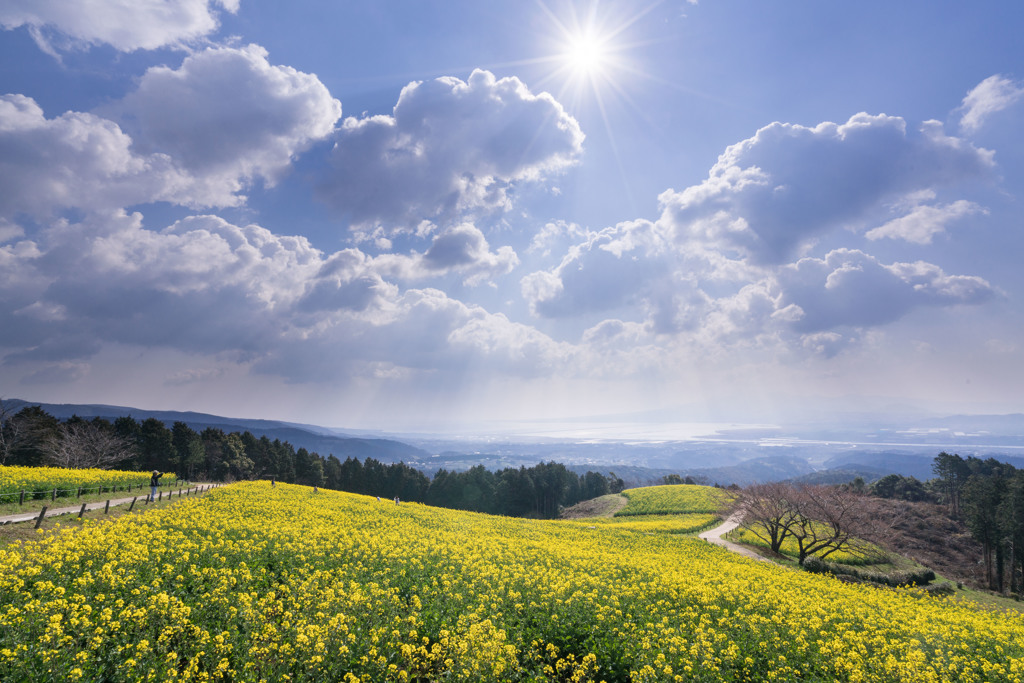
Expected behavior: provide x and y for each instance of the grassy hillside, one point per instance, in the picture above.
(673, 499)
(253, 582)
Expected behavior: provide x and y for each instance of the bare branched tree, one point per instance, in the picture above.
(768, 511)
(829, 520)
(80, 444)
(820, 520)
(11, 432)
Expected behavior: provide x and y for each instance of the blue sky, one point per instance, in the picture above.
(448, 215)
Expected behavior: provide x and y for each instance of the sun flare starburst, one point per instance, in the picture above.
(592, 55)
(586, 55)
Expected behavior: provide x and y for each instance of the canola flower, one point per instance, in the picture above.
(254, 583)
(673, 499)
(686, 523)
(44, 479)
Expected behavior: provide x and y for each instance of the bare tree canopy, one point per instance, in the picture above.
(820, 520)
(768, 511)
(80, 444)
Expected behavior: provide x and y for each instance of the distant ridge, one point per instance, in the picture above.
(311, 437)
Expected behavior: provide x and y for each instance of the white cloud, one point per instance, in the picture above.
(193, 137)
(560, 233)
(773, 194)
(923, 222)
(76, 160)
(242, 294)
(611, 268)
(848, 288)
(992, 95)
(9, 231)
(228, 116)
(714, 274)
(450, 148)
(126, 25)
(458, 249)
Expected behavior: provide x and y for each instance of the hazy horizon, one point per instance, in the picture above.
(450, 214)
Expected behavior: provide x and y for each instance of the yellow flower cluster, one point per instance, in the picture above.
(687, 523)
(261, 583)
(17, 479)
(673, 499)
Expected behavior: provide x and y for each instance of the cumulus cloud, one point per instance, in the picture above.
(717, 269)
(772, 194)
(461, 249)
(848, 288)
(554, 234)
(449, 148)
(923, 222)
(611, 268)
(464, 249)
(275, 303)
(182, 140)
(76, 160)
(228, 116)
(992, 95)
(126, 25)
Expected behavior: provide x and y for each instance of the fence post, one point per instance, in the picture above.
(79, 494)
(42, 513)
(133, 503)
(160, 496)
(53, 496)
(21, 501)
(106, 508)
(82, 511)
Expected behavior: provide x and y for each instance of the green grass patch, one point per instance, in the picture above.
(674, 499)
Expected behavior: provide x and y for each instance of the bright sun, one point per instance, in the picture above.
(586, 55)
(592, 43)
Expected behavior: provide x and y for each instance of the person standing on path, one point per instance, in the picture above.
(154, 481)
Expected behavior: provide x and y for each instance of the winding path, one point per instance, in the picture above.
(715, 536)
(99, 504)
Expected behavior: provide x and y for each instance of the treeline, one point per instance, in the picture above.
(538, 491)
(33, 437)
(988, 496)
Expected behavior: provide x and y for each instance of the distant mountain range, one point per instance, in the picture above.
(833, 453)
(314, 439)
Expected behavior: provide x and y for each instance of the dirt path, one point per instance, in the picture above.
(715, 536)
(74, 509)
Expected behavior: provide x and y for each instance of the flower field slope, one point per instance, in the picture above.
(686, 523)
(13, 480)
(258, 583)
(673, 499)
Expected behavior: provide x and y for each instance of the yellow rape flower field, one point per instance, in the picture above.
(673, 499)
(13, 480)
(665, 524)
(256, 583)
